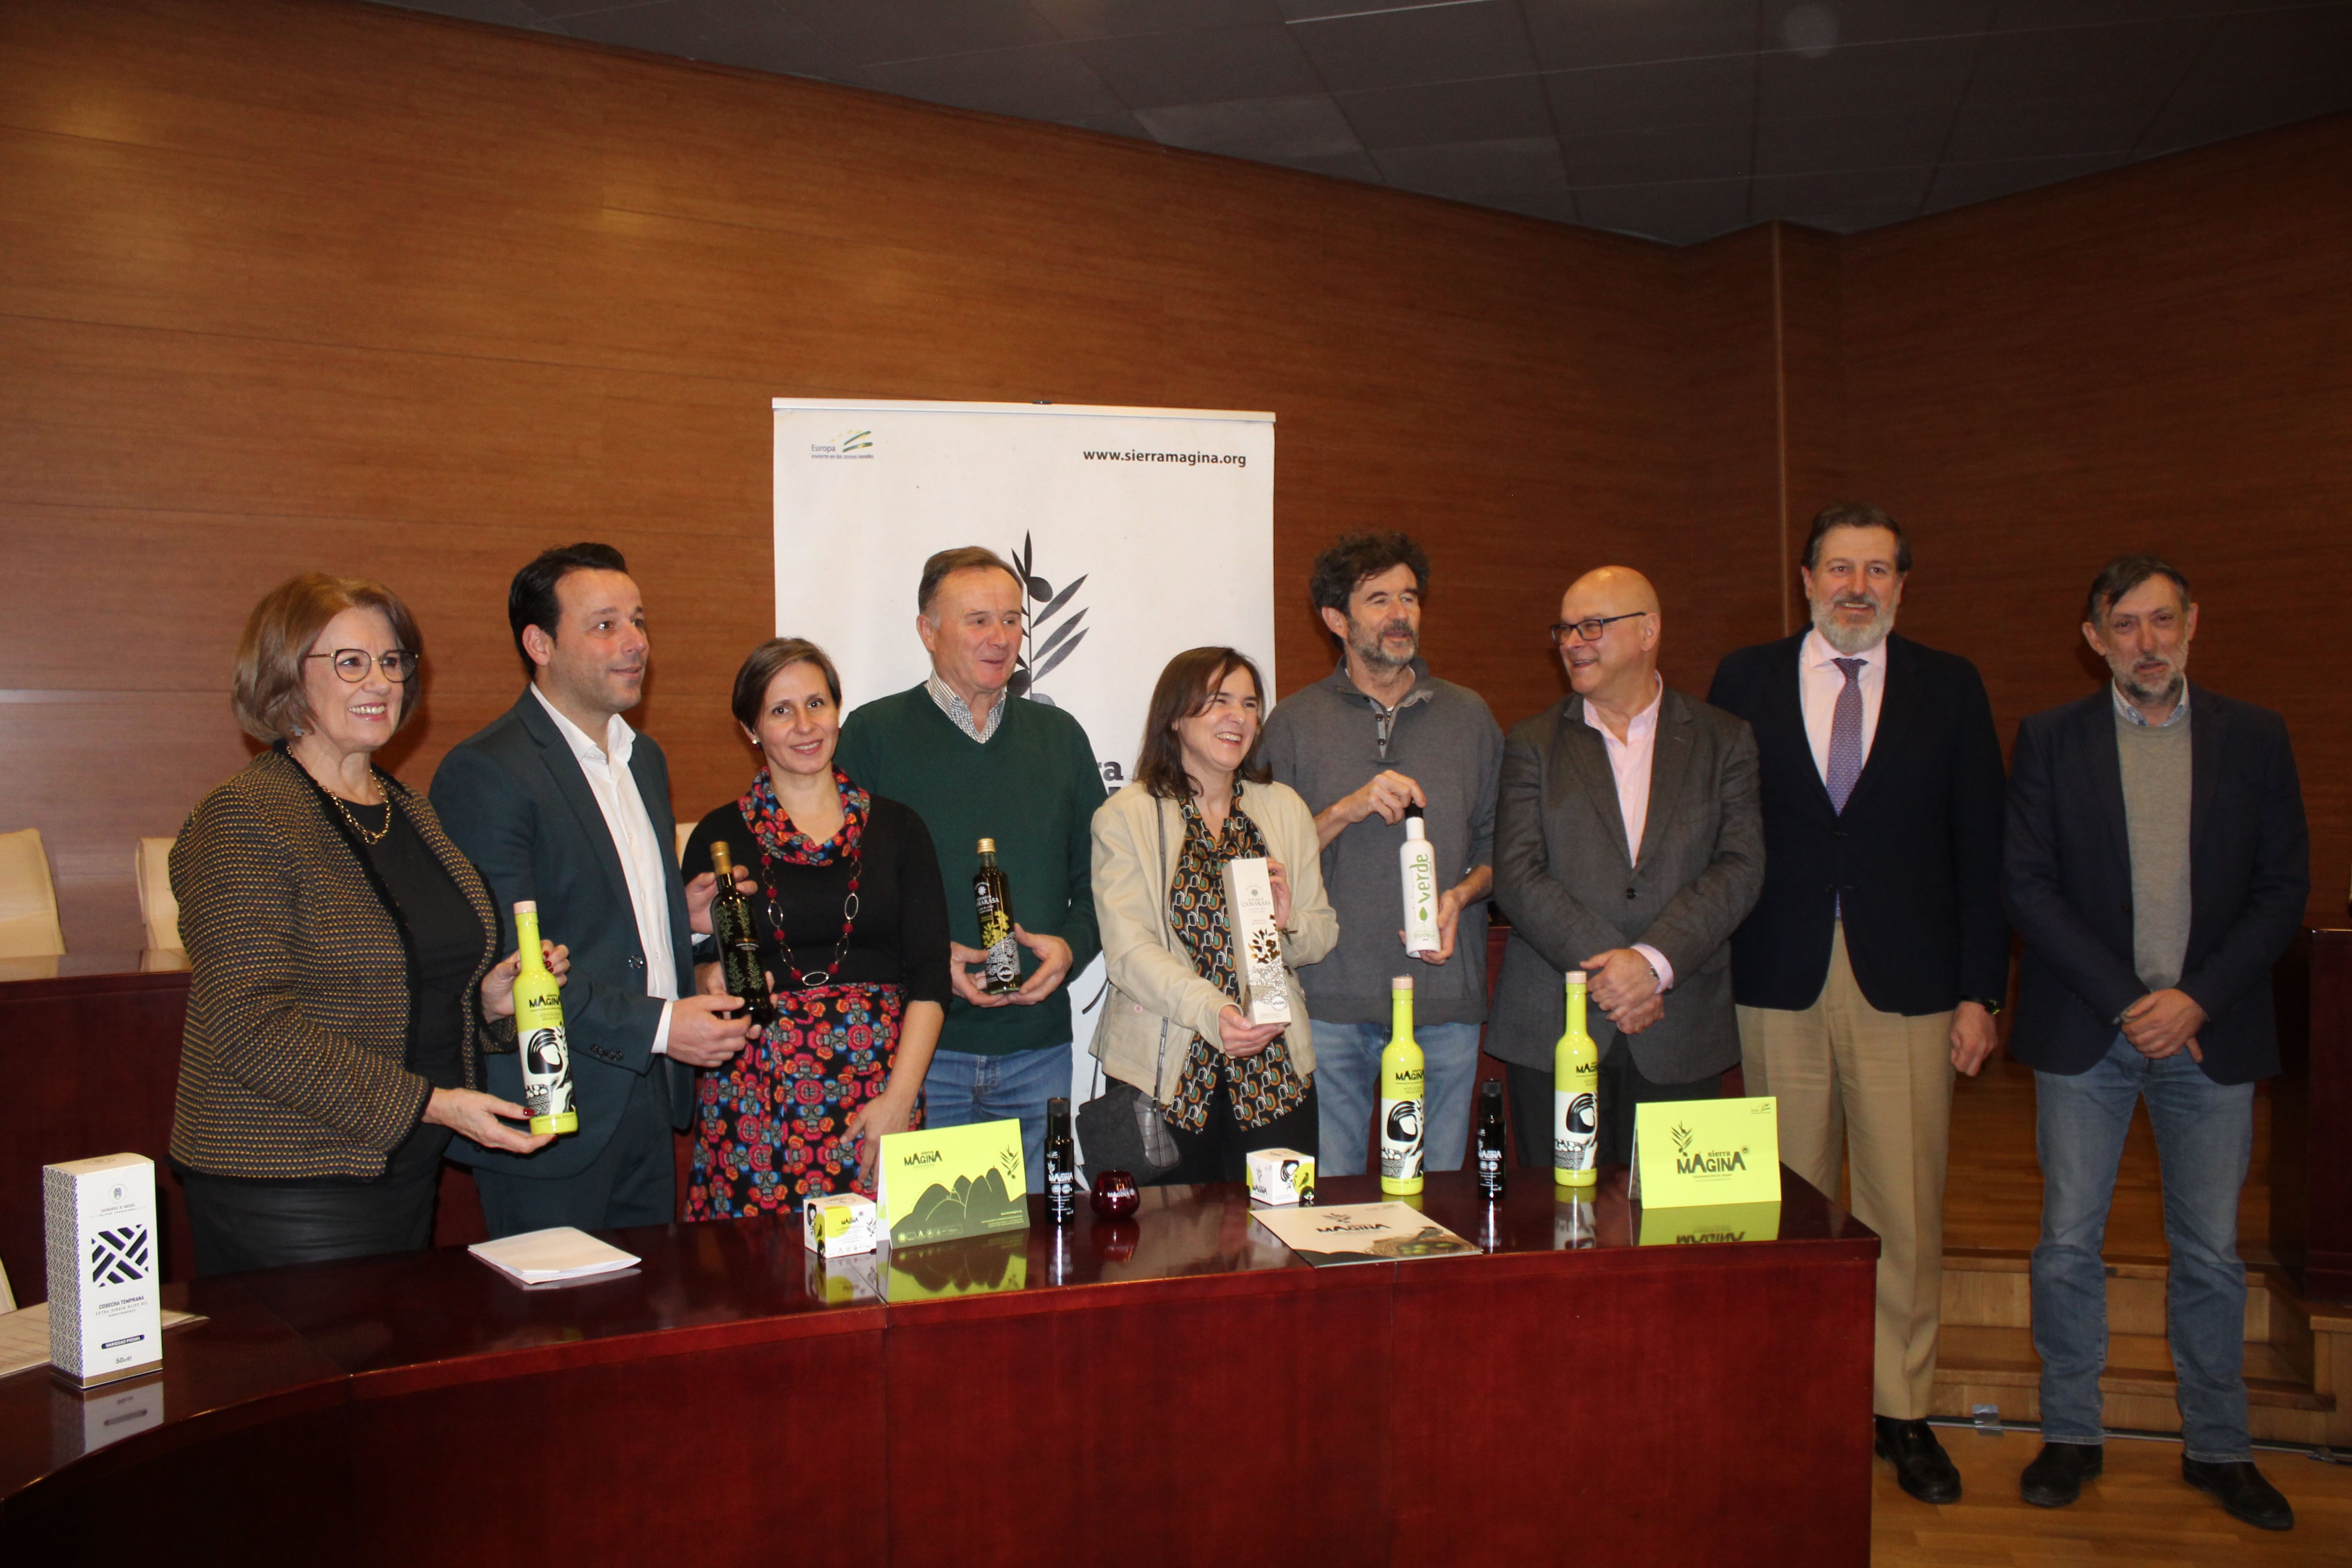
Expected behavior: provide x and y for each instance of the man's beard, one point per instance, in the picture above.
(1364, 645)
(1852, 640)
(2146, 696)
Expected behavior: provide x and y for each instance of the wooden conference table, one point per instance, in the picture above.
(1174, 1389)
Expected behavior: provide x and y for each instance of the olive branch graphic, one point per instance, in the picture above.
(1059, 643)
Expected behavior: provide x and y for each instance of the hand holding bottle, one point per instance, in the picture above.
(700, 1033)
(497, 985)
(477, 1116)
(1054, 957)
(700, 891)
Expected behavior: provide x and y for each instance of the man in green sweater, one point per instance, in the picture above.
(976, 764)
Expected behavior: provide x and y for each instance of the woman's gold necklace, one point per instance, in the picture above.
(370, 839)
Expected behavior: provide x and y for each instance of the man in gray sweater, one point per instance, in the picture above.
(1382, 736)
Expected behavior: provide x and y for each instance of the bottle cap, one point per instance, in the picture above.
(1576, 977)
(526, 907)
(1413, 812)
(1401, 983)
(988, 845)
(722, 859)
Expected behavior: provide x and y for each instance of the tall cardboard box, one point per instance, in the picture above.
(105, 1306)
(1256, 941)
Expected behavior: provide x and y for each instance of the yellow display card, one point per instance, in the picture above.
(947, 1181)
(1689, 1152)
(1698, 1223)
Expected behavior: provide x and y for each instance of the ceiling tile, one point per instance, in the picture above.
(2193, 119)
(2134, 65)
(502, 12)
(1338, 166)
(1646, 157)
(1523, 164)
(1864, 78)
(1396, 48)
(1044, 82)
(2065, 127)
(1840, 203)
(1276, 128)
(869, 33)
(1667, 92)
(1957, 184)
(1076, 19)
(1849, 141)
(2026, 16)
(1569, 34)
(1201, 67)
(2277, 45)
(1558, 206)
(1878, 21)
(1311, 10)
(1680, 213)
(1496, 108)
(1120, 124)
(753, 38)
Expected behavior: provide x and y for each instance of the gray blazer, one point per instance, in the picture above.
(1561, 876)
(512, 797)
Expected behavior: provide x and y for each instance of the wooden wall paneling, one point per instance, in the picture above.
(1806, 273)
(2159, 357)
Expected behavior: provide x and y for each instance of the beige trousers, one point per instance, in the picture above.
(1877, 1086)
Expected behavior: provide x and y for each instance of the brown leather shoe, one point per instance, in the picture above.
(1921, 1467)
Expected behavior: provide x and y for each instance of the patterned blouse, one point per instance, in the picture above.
(1262, 1086)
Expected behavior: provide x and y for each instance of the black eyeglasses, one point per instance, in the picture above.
(353, 664)
(1590, 627)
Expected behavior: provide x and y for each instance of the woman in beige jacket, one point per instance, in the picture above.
(1171, 1026)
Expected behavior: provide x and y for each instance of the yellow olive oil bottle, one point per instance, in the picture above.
(1575, 1096)
(1402, 1103)
(539, 1020)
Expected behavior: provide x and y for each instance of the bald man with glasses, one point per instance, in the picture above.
(1628, 844)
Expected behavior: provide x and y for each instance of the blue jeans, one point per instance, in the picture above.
(1348, 1085)
(2204, 1134)
(963, 1088)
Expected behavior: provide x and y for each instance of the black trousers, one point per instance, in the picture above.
(1221, 1151)
(1623, 1086)
(237, 1226)
(632, 1181)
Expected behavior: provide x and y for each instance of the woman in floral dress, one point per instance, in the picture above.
(853, 929)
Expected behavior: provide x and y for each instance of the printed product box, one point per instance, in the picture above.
(1281, 1176)
(839, 1225)
(1258, 941)
(105, 1312)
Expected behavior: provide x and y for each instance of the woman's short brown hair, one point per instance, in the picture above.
(267, 689)
(767, 661)
(1185, 687)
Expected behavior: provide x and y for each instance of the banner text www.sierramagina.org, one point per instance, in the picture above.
(1236, 459)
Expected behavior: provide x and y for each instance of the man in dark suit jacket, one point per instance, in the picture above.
(1626, 785)
(2156, 865)
(558, 801)
(1878, 955)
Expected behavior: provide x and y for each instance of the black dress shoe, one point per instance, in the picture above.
(1921, 1467)
(2056, 1476)
(2241, 1490)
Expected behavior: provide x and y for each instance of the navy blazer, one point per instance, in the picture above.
(514, 799)
(1916, 854)
(2068, 882)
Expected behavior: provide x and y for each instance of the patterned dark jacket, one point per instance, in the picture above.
(299, 1017)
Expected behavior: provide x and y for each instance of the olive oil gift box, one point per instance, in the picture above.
(1258, 941)
(105, 1312)
(838, 1224)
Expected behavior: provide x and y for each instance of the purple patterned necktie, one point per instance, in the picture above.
(1845, 734)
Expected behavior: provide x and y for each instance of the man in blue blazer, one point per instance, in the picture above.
(558, 801)
(2156, 865)
(1878, 955)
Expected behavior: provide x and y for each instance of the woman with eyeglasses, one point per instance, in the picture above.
(344, 956)
(852, 925)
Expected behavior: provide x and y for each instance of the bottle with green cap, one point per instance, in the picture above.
(1575, 1096)
(538, 1021)
(1402, 1105)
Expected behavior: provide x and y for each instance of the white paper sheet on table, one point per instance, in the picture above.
(25, 1335)
(542, 1256)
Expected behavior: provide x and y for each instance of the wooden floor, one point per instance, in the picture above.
(2140, 1511)
(1993, 1192)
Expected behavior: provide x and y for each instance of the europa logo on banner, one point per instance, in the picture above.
(1137, 532)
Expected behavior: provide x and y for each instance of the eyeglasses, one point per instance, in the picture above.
(1590, 627)
(353, 664)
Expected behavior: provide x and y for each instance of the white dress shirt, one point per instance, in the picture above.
(1819, 681)
(1629, 761)
(642, 864)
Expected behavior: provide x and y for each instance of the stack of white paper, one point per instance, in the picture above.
(543, 1257)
